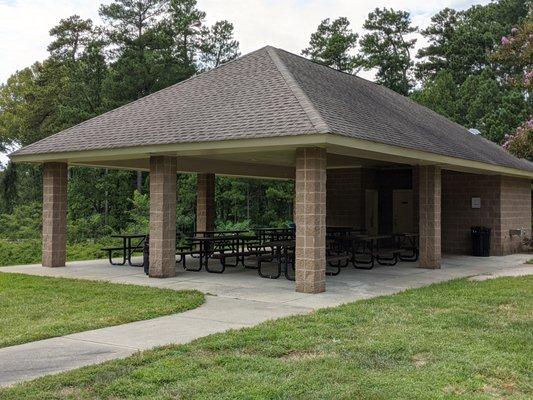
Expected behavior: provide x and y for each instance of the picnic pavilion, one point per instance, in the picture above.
(361, 155)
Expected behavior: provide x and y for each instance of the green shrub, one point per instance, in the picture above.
(20, 252)
(139, 214)
(83, 229)
(29, 251)
(233, 226)
(24, 223)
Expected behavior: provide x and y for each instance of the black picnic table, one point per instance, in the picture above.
(280, 250)
(234, 244)
(336, 231)
(128, 248)
(272, 234)
(197, 234)
(369, 246)
(408, 241)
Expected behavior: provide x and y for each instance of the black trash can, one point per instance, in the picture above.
(146, 255)
(480, 241)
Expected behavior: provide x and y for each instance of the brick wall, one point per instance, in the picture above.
(344, 197)
(457, 214)
(505, 204)
(515, 211)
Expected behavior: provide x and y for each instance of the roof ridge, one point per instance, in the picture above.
(305, 102)
(143, 98)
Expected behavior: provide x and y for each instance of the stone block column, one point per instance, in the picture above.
(205, 202)
(310, 219)
(162, 216)
(54, 214)
(429, 195)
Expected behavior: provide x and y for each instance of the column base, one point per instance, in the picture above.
(430, 266)
(311, 289)
(163, 276)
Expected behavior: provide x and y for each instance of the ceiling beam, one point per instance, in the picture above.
(202, 165)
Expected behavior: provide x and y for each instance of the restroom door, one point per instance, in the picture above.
(402, 212)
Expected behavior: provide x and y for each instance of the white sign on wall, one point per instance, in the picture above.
(476, 202)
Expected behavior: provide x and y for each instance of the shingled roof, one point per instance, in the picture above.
(273, 93)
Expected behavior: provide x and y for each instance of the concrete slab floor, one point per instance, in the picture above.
(237, 298)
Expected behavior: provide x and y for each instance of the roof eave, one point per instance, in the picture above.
(335, 144)
(185, 148)
(426, 158)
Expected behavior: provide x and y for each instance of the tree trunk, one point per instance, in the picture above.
(140, 181)
(248, 201)
(106, 202)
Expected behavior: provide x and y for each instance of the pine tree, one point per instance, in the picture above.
(218, 45)
(387, 47)
(72, 35)
(332, 44)
(136, 46)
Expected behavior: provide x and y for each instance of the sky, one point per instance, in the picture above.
(287, 24)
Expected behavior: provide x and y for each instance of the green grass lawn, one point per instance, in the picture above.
(461, 339)
(33, 308)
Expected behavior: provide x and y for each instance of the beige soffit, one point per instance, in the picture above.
(335, 144)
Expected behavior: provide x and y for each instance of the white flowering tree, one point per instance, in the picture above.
(520, 143)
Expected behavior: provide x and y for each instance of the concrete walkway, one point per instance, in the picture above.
(35, 359)
(235, 299)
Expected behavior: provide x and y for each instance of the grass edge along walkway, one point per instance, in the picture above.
(35, 307)
(459, 339)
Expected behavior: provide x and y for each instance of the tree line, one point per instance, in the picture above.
(475, 70)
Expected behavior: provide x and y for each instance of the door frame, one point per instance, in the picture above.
(374, 217)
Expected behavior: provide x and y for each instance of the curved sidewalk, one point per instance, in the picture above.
(32, 360)
(234, 300)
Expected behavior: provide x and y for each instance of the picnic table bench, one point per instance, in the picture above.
(192, 248)
(407, 242)
(284, 255)
(223, 248)
(365, 251)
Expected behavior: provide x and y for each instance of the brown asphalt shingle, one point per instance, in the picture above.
(271, 93)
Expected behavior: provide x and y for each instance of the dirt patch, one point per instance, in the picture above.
(69, 392)
(303, 355)
(507, 307)
(420, 360)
